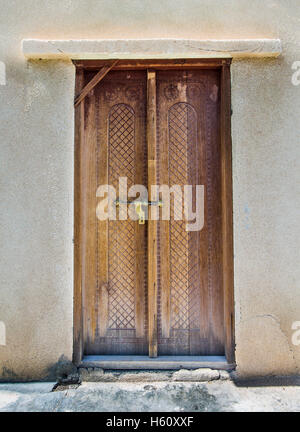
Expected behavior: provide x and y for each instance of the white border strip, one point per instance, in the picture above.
(149, 48)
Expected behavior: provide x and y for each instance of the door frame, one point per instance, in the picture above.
(226, 188)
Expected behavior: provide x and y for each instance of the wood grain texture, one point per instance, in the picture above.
(157, 64)
(199, 318)
(102, 225)
(94, 81)
(89, 220)
(115, 313)
(77, 299)
(190, 279)
(152, 224)
(227, 212)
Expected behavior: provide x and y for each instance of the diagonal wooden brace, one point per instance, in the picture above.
(94, 81)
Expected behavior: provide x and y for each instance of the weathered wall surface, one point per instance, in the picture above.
(37, 172)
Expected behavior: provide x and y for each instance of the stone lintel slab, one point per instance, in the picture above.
(93, 49)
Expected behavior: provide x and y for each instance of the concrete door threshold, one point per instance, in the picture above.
(124, 362)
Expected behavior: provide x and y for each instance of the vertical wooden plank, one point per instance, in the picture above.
(102, 233)
(203, 234)
(77, 299)
(141, 168)
(227, 211)
(152, 224)
(89, 220)
(121, 248)
(194, 126)
(214, 221)
(164, 225)
(140, 281)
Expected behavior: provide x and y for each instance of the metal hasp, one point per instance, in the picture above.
(138, 207)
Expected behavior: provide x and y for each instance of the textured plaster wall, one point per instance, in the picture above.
(36, 122)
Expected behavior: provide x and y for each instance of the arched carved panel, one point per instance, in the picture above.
(182, 132)
(121, 234)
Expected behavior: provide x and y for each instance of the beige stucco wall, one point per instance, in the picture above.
(36, 121)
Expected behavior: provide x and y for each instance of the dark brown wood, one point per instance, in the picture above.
(152, 224)
(164, 225)
(89, 221)
(212, 330)
(115, 295)
(152, 64)
(190, 292)
(94, 81)
(227, 212)
(77, 299)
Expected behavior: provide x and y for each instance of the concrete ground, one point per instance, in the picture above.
(155, 396)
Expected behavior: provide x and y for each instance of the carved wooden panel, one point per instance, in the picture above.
(119, 296)
(189, 309)
(182, 131)
(121, 235)
(190, 316)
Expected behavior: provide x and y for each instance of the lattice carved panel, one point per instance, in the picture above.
(182, 124)
(121, 234)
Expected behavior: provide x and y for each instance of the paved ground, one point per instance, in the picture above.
(154, 396)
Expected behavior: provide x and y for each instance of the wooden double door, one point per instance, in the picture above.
(152, 287)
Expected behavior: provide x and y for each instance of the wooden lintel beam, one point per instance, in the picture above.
(94, 81)
(153, 64)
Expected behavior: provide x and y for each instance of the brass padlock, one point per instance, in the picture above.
(138, 207)
(140, 212)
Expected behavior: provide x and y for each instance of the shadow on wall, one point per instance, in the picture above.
(62, 371)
